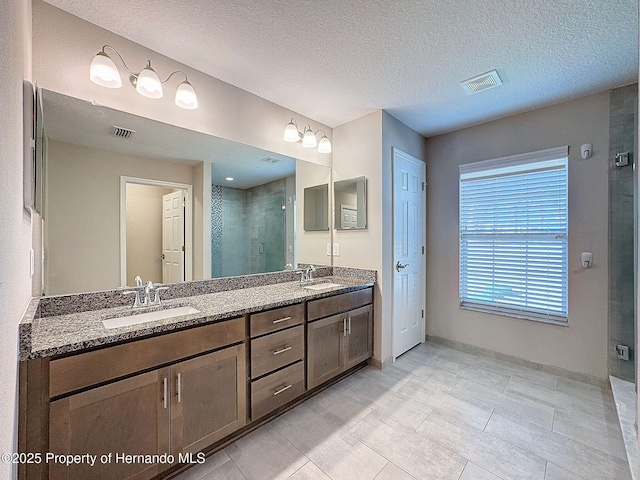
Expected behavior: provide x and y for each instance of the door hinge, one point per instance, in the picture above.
(183, 248)
(422, 313)
(423, 186)
(423, 250)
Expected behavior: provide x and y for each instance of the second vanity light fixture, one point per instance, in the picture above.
(147, 83)
(307, 137)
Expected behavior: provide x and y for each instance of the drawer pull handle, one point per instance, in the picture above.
(179, 381)
(165, 388)
(277, 392)
(281, 320)
(282, 350)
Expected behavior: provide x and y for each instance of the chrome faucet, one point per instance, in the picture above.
(150, 289)
(155, 289)
(306, 275)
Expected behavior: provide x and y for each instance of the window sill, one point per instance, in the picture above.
(560, 321)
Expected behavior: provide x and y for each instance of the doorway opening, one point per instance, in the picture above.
(155, 231)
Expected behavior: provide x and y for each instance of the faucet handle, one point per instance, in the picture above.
(138, 281)
(136, 301)
(156, 299)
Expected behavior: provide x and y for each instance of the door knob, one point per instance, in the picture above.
(400, 266)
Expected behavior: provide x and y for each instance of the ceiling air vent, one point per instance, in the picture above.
(122, 132)
(270, 160)
(481, 82)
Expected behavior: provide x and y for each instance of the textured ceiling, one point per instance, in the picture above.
(338, 60)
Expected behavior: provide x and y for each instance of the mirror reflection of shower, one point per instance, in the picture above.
(252, 230)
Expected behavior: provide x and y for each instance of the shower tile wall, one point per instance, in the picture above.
(622, 138)
(267, 223)
(229, 228)
(216, 231)
(248, 232)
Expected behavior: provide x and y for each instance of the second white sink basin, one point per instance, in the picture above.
(322, 286)
(136, 319)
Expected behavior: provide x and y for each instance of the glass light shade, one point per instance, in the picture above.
(148, 83)
(324, 145)
(309, 139)
(291, 133)
(104, 72)
(186, 96)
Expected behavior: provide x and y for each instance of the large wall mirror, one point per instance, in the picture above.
(350, 197)
(126, 196)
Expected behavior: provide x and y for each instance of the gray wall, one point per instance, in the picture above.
(15, 221)
(623, 138)
(582, 345)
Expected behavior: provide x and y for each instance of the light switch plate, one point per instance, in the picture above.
(336, 249)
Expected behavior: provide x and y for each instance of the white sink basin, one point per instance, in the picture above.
(136, 319)
(322, 286)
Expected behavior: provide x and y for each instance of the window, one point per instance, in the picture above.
(513, 236)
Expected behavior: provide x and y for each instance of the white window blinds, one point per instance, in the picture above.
(513, 235)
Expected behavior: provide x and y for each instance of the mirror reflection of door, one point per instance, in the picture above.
(173, 244)
(154, 228)
(348, 216)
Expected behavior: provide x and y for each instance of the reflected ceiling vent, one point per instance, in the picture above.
(122, 132)
(481, 82)
(270, 160)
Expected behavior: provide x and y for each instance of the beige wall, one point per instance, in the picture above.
(144, 232)
(202, 221)
(61, 63)
(311, 247)
(15, 221)
(83, 213)
(363, 147)
(580, 347)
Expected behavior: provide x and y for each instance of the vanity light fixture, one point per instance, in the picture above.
(307, 137)
(104, 72)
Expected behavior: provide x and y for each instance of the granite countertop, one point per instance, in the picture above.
(54, 335)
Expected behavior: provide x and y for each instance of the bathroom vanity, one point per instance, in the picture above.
(173, 390)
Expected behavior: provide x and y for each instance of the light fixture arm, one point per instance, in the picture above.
(121, 59)
(173, 73)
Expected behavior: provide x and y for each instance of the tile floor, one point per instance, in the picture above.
(437, 413)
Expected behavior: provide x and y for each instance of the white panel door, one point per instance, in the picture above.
(173, 237)
(408, 243)
(348, 217)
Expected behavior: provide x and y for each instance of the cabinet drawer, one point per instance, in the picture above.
(338, 303)
(276, 350)
(276, 389)
(86, 369)
(277, 319)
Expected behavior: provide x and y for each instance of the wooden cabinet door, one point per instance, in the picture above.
(128, 416)
(359, 337)
(209, 399)
(325, 355)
